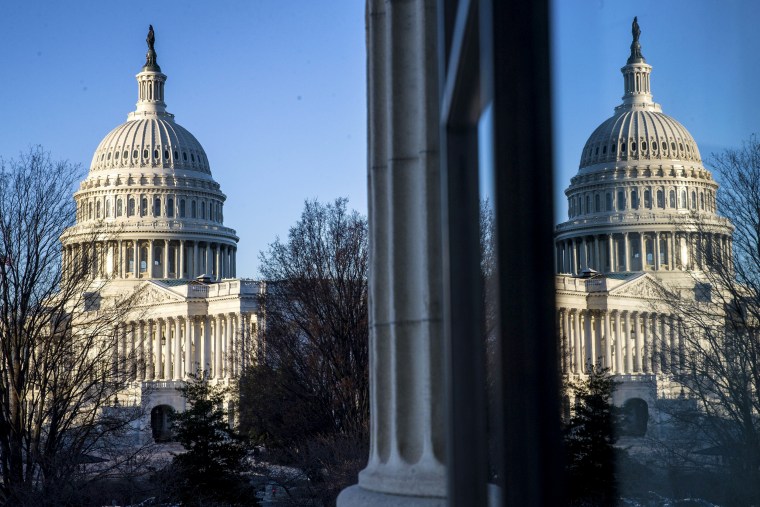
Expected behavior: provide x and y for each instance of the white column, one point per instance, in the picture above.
(149, 271)
(218, 260)
(619, 367)
(637, 343)
(150, 360)
(166, 259)
(181, 259)
(141, 353)
(588, 332)
(195, 264)
(189, 367)
(217, 346)
(574, 256)
(206, 362)
(597, 257)
(657, 251)
(611, 253)
(646, 354)
(607, 342)
(178, 374)
(577, 348)
(136, 258)
(207, 264)
(627, 252)
(673, 334)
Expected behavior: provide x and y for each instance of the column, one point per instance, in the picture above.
(656, 251)
(664, 345)
(607, 342)
(611, 253)
(597, 259)
(574, 255)
(673, 335)
(565, 361)
(189, 363)
(619, 366)
(195, 273)
(150, 359)
(207, 264)
(136, 258)
(218, 356)
(228, 346)
(149, 271)
(643, 251)
(133, 350)
(122, 267)
(655, 342)
(206, 349)
(218, 260)
(178, 374)
(584, 254)
(637, 344)
(141, 350)
(647, 337)
(627, 253)
(588, 333)
(234, 262)
(577, 347)
(166, 259)
(181, 259)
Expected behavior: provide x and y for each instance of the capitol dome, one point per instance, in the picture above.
(640, 185)
(150, 186)
(639, 135)
(157, 142)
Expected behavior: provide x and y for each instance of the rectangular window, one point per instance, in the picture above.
(621, 200)
(157, 207)
(608, 201)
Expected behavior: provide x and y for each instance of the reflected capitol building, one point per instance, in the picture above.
(150, 216)
(639, 184)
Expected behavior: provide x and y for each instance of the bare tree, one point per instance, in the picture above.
(718, 359)
(311, 380)
(58, 380)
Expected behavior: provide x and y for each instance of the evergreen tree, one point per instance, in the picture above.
(589, 437)
(212, 471)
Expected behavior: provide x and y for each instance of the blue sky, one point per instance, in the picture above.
(275, 89)
(706, 71)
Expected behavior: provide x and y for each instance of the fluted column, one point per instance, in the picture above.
(619, 367)
(207, 265)
(566, 343)
(149, 270)
(136, 258)
(150, 352)
(133, 346)
(577, 347)
(664, 344)
(657, 251)
(574, 256)
(673, 335)
(232, 351)
(178, 374)
(611, 253)
(588, 339)
(166, 259)
(607, 341)
(217, 347)
(189, 366)
(656, 343)
(627, 253)
(637, 343)
(206, 347)
(647, 336)
(195, 273)
(181, 259)
(141, 350)
(643, 250)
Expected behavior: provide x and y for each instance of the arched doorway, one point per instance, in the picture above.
(635, 417)
(160, 423)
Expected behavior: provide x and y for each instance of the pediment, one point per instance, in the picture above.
(150, 293)
(643, 287)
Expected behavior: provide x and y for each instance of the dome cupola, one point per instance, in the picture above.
(150, 185)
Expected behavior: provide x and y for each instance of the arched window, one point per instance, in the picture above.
(157, 207)
(647, 199)
(672, 198)
(131, 207)
(144, 207)
(119, 207)
(193, 210)
(588, 205)
(89, 206)
(621, 200)
(203, 210)
(660, 198)
(597, 203)
(109, 208)
(701, 201)
(634, 199)
(130, 258)
(97, 210)
(211, 210)
(182, 208)
(608, 201)
(683, 203)
(693, 200)
(170, 207)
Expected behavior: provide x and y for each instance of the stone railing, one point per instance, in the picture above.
(674, 219)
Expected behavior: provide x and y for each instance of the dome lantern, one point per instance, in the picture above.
(150, 82)
(638, 92)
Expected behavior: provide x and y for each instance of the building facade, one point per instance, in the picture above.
(150, 220)
(633, 208)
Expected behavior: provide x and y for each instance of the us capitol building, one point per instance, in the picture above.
(640, 183)
(156, 216)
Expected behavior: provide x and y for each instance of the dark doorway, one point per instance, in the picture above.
(160, 423)
(635, 418)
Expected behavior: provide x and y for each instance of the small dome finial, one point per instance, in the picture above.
(150, 57)
(636, 55)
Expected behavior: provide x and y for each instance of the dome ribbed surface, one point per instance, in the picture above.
(639, 135)
(156, 142)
